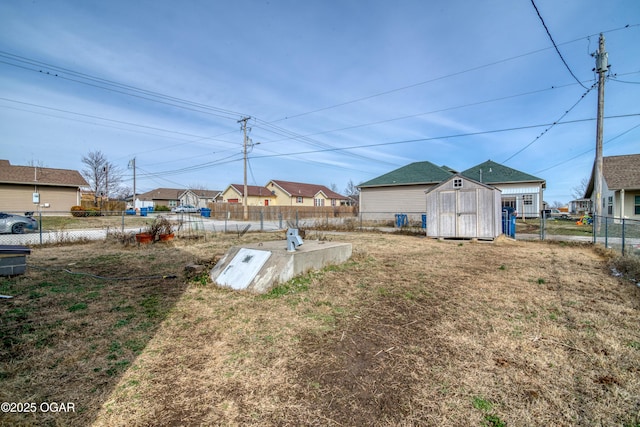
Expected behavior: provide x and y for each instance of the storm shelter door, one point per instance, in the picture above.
(467, 213)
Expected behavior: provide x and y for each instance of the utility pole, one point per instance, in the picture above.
(602, 67)
(245, 207)
(132, 165)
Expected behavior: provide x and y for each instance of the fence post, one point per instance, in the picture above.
(623, 225)
(543, 220)
(261, 220)
(280, 219)
(122, 221)
(606, 232)
(40, 226)
(296, 219)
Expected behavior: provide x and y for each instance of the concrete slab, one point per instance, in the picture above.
(279, 266)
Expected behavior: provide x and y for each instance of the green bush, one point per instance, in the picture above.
(161, 208)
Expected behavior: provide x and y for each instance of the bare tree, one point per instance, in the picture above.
(353, 193)
(579, 190)
(103, 176)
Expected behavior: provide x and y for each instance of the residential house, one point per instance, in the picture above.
(172, 197)
(289, 193)
(257, 195)
(580, 206)
(34, 188)
(401, 190)
(520, 191)
(620, 196)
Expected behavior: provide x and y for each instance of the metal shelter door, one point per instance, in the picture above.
(467, 213)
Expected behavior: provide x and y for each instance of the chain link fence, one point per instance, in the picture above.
(619, 234)
(77, 226)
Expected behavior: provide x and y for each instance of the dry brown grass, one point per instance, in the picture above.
(410, 331)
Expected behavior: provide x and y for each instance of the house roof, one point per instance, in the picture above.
(175, 193)
(253, 190)
(33, 175)
(491, 172)
(162, 194)
(620, 172)
(295, 189)
(206, 194)
(411, 174)
(458, 175)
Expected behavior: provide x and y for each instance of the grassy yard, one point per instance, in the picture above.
(410, 331)
(558, 227)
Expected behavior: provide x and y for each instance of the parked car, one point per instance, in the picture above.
(556, 214)
(17, 224)
(185, 208)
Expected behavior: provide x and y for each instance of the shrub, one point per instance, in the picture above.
(162, 208)
(78, 211)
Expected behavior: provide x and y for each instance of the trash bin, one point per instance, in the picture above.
(150, 209)
(401, 220)
(509, 221)
(205, 212)
(130, 212)
(424, 221)
(143, 211)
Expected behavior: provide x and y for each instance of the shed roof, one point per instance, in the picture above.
(162, 194)
(306, 190)
(411, 174)
(491, 172)
(34, 175)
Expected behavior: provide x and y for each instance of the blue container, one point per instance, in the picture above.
(205, 212)
(509, 222)
(401, 220)
(130, 212)
(150, 209)
(424, 221)
(143, 211)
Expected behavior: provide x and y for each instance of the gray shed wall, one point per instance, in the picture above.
(472, 211)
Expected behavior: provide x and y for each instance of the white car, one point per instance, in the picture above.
(185, 208)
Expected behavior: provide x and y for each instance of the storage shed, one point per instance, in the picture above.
(461, 207)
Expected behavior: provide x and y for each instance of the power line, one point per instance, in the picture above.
(588, 151)
(551, 126)
(433, 138)
(555, 46)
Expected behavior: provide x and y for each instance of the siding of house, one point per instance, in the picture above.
(380, 202)
(19, 198)
(518, 192)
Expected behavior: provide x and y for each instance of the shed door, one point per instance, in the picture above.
(467, 213)
(448, 211)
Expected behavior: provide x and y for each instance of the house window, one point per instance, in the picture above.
(527, 199)
(333, 202)
(299, 199)
(636, 204)
(173, 203)
(610, 205)
(457, 183)
(318, 202)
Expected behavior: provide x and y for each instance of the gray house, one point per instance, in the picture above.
(620, 187)
(461, 207)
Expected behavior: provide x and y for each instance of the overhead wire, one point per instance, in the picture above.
(555, 45)
(552, 125)
(589, 150)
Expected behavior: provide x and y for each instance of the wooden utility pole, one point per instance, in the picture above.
(245, 206)
(602, 67)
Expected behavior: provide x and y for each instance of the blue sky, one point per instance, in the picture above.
(337, 90)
